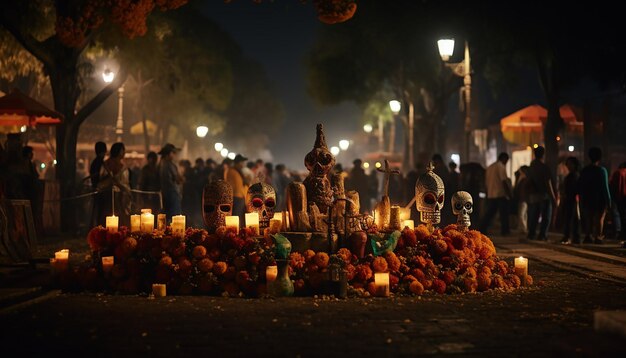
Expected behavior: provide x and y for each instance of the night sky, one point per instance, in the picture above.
(278, 34)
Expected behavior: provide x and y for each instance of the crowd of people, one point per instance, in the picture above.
(579, 202)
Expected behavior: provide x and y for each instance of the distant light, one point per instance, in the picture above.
(378, 165)
(335, 150)
(456, 158)
(482, 195)
(231, 155)
(528, 147)
(368, 128)
(535, 145)
(202, 131)
(108, 76)
(558, 139)
(224, 152)
(395, 106)
(23, 129)
(366, 165)
(446, 48)
(570, 148)
(42, 165)
(54, 162)
(344, 144)
(218, 146)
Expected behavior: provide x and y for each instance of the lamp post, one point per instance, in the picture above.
(108, 76)
(461, 69)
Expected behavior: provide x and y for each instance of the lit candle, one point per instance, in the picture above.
(405, 214)
(232, 222)
(252, 222)
(409, 223)
(159, 290)
(112, 223)
(147, 222)
(178, 225)
(135, 223)
(107, 263)
(61, 259)
(275, 225)
(394, 218)
(521, 267)
(161, 222)
(381, 280)
(271, 272)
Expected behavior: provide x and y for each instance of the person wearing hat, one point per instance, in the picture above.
(171, 181)
(234, 177)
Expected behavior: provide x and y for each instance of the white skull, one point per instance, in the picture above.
(429, 197)
(261, 199)
(462, 207)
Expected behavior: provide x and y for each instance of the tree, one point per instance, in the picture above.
(77, 23)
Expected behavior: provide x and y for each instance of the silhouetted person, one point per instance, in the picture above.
(358, 180)
(520, 193)
(171, 181)
(96, 164)
(498, 195)
(569, 204)
(149, 181)
(618, 194)
(280, 181)
(114, 180)
(454, 178)
(595, 198)
(541, 197)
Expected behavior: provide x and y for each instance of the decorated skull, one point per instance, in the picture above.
(217, 203)
(462, 207)
(429, 196)
(261, 199)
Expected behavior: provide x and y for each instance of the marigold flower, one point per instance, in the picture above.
(439, 286)
(484, 281)
(379, 264)
(363, 272)
(296, 260)
(205, 265)
(409, 237)
(345, 255)
(528, 280)
(470, 284)
(393, 262)
(502, 267)
(439, 247)
(321, 259)
(350, 272)
(513, 281)
(199, 252)
(416, 288)
(448, 277)
(421, 233)
(418, 274)
(309, 255)
(219, 268)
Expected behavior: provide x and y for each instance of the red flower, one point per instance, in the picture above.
(379, 264)
(393, 262)
(363, 272)
(296, 261)
(439, 286)
(416, 288)
(447, 277)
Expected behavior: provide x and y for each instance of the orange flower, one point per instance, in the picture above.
(165, 261)
(220, 268)
(345, 255)
(321, 259)
(422, 233)
(393, 262)
(528, 281)
(447, 277)
(309, 255)
(439, 286)
(416, 288)
(363, 272)
(351, 272)
(439, 246)
(379, 264)
(484, 281)
(199, 252)
(470, 284)
(296, 260)
(205, 265)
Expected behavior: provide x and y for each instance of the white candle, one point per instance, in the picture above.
(271, 272)
(107, 263)
(112, 222)
(62, 255)
(159, 290)
(521, 267)
(135, 223)
(161, 222)
(147, 222)
(178, 225)
(252, 222)
(409, 223)
(232, 222)
(61, 259)
(381, 280)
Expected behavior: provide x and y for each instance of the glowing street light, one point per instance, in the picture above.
(108, 76)
(446, 48)
(366, 165)
(335, 150)
(23, 129)
(395, 106)
(368, 128)
(231, 155)
(570, 148)
(202, 131)
(344, 144)
(378, 165)
(224, 152)
(218, 146)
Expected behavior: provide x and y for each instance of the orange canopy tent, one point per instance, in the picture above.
(18, 109)
(525, 127)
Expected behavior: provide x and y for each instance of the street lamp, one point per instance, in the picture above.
(108, 76)
(395, 106)
(344, 144)
(218, 146)
(231, 155)
(202, 131)
(461, 69)
(334, 150)
(368, 128)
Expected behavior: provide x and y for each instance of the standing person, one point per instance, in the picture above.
(569, 204)
(372, 185)
(190, 201)
(149, 181)
(618, 193)
(521, 196)
(542, 195)
(498, 195)
(358, 180)
(280, 181)
(235, 178)
(269, 173)
(171, 181)
(454, 181)
(114, 178)
(96, 164)
(595, 198)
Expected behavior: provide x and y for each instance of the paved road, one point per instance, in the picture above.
(553, 317)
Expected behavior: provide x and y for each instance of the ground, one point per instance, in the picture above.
(553, 317)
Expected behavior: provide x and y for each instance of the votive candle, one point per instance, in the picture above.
(159, 290)
(147, 222)
(107, 263)
(178, 225)
(521, 266)
(271, 272)
(252, 222)
(409, 223)
(232, 222)
(135, 223)
(61, 259)
(112, 222)
(144, 211)
(161, 222)
(381, 280)
(275, 225)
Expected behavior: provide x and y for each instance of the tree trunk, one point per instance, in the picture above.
(548, 79)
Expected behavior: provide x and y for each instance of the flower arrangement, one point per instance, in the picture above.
(229, 263)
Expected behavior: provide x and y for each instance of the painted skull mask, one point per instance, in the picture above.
(217, 203)
(462, 207)
(429, 197)
(261, 199)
